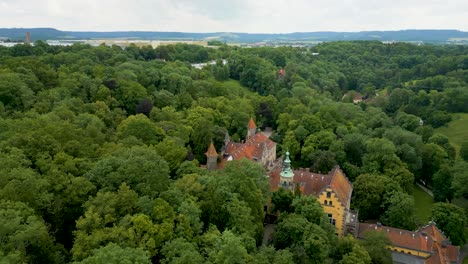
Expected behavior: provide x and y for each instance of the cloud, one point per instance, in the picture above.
(235, 16)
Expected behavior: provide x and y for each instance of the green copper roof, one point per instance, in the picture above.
(287, 172)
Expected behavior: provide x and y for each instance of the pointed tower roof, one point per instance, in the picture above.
(287, 172)
(211, 151)
(251, 124)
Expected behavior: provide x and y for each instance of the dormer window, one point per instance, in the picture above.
(328, 194)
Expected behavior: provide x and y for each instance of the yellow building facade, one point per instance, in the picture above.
(332, 190)
(334, 209)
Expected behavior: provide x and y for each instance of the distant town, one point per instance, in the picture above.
(11, 36)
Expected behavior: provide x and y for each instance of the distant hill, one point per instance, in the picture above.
(36, 33)
(432, 36)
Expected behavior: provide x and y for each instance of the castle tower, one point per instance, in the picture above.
(211, 158)
(287, 175)
(251, 129)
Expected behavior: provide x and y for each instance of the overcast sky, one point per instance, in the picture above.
(277, 16)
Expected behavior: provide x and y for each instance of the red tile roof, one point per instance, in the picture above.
(399, 237)
(415, 240)
(251, 149)
(341, 186)
(453, 253)
(251, 124)
(211, 151)
(434, 232)
(314, 183)
(357, 96)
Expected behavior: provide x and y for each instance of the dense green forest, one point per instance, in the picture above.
(100, 149)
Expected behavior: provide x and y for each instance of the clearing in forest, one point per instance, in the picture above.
(456, 130)
(423, 205)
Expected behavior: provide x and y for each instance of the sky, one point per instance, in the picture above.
(252, 16)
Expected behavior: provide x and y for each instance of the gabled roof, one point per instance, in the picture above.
(251, 124)
(453, 253)
(435, 233)
(211, 151)
(341, 186)
(427, 239)
(399, 237)
(251, 149)
(314, 183)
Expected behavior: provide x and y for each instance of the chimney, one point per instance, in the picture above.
(445, 243)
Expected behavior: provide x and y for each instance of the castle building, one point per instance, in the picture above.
(257, 147)
(427, 245)
(333, 191)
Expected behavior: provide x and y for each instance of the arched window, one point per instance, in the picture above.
(326, 202)
(328, 194)
(331, 203)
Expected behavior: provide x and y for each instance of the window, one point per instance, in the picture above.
(328, 194)
(330, 215)
(331, 203)
(326, 202)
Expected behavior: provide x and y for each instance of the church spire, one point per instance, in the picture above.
(287, 174)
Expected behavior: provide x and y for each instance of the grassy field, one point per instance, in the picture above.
(423, 203)
(456, 130)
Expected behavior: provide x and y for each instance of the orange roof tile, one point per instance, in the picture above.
(341, 186)
(211, 151)
(251, 124)
(399, 237)
(314, 183)
(252, 149)
(434, 232)
(453, 253)
(415, 240)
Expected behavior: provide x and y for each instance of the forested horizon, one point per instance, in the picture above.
(101, 149)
